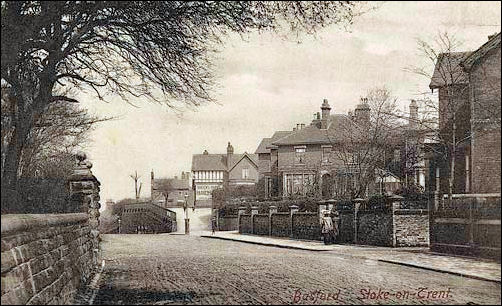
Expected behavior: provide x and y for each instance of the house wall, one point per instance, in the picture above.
(235, 175)
(485, 96)
(176, 198)
(287, 155)
(263, 164)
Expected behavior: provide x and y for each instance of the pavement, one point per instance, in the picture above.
(417, 257)
(153, 269)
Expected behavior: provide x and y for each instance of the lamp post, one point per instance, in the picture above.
(119, 225)
(187, 220)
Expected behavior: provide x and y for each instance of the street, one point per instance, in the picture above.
(178, 269)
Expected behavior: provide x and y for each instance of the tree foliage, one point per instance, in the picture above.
(158, 50)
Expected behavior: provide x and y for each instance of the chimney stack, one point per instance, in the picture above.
(362, 112)
(230, 151)
(302, 125)
(325, 109)
(413, 121)
(298, 127)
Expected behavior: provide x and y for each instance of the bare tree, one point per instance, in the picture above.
(446, 121)
(158, 50)
(137, 191)
(364, 142)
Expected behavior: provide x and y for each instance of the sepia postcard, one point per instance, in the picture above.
(250, 152)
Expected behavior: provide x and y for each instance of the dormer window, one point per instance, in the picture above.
(300, 154)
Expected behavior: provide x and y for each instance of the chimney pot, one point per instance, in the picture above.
(230, 148)
(325, 109)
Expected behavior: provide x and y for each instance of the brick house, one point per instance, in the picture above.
(213, 171)
(483, 68)
(305, 161)
(177, 190)
(268, 162)
(468, 84)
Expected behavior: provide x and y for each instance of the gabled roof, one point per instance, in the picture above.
(448, 70)
(338, 127)
(491, 44)
(201, 162)
(266, 143)
(170, 184)
(252, 157)
(218, 162)
(278, 135)
(262, 147)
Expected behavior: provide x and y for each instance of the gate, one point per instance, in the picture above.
(469, 225)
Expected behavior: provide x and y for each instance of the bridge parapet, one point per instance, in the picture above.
(146, 217)
(47, 257)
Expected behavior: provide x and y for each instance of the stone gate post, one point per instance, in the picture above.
(396, 204)
(242, 210)
(357, 204)
(84, 189)
(292, 210)
(254, 211)
(272, 210)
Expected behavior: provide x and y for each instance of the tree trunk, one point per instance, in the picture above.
(11, 166)
(452, 161)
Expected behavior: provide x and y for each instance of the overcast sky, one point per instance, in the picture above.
(266, 83)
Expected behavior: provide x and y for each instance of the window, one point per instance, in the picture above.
(300, 155)
(245, 173)
(326, 154)
(298, 183)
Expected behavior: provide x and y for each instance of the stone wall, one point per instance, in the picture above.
(45, 258)
(411, 227)
(306, 226)
(374, 228)
(228, 223)
(245, 225)
(395, 224)
(260, 224)
(281, 225)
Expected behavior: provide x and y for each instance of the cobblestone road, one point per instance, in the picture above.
(176, 269)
